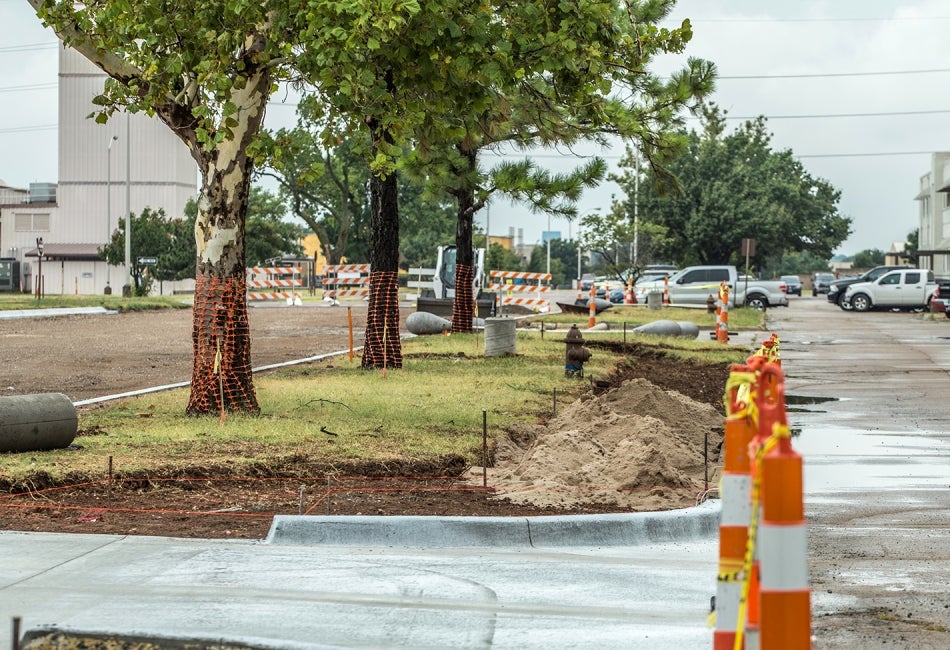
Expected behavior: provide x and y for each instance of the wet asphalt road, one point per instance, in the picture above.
(869, 397)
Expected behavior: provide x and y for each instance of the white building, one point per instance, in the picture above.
(105, 172)
(934, 201)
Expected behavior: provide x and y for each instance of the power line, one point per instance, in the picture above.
(852, 19)
(830, 115)
(10, 89)
(872, 154)
(25, 129)
(27, 48)
(832, 74)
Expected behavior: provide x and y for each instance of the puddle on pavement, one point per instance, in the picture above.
(794, 403)
(842, 459)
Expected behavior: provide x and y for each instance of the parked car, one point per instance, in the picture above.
(836, 291)
(587, 280)
(821, 282)
(603, 287)
(794, 284)
(904, 289)
(693, 285)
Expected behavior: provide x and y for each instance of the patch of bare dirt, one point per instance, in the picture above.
(636, 442)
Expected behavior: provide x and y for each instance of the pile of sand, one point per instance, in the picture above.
(636, 446)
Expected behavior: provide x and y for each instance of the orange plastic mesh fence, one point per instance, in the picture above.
(382, 347)
(463, 309)
(221, 379)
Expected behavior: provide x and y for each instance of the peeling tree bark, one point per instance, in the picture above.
(221, 379)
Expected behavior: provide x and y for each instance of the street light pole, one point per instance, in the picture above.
(39, 272)
(549, 245)
(127, 289)
(109, 208)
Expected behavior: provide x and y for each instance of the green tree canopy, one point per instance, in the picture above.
(616, 241)
(733, 186)
(152, 235)
(868, 258)
(206, 70)
(269, 235)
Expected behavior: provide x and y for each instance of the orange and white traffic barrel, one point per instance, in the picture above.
(592, 308)
(722, 332)
(785, 596)
(735, 489)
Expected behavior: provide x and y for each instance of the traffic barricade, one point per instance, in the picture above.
(274, 283)
(508, 283)
(346, 281)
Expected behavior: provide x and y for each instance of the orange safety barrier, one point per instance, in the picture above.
(666, 290)
(785, 597)
(221, 379)
(735, 489)
(592, 308)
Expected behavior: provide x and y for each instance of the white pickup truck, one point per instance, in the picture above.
(899, 289)
(693, 285)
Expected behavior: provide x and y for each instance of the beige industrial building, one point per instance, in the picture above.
(105, 172)
(933, 198)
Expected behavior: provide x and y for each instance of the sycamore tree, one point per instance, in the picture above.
(207, 73)
(734, 185)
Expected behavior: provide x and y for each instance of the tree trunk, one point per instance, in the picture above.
(382, 347)
(221, 379)
(463, 308)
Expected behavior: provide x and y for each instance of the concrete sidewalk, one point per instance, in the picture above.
(605, 581)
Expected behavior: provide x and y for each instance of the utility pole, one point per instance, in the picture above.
(127, 289)
(108, 290)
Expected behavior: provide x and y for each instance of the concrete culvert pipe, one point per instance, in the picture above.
(37, 422)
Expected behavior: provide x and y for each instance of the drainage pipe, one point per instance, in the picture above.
(37, 422)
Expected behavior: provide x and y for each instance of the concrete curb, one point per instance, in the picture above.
(54, 311)
(632, 529)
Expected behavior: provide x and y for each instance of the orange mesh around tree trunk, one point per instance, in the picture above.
(221, 378)
(382, 347)
(463, 308)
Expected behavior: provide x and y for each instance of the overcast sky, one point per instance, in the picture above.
(858, 90)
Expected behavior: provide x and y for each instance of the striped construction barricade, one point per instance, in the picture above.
(507, 283)
(277, 278)
(346, 281)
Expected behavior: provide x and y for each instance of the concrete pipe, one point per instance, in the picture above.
(37, 422)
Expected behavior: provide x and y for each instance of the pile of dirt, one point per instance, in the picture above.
(636, 446)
